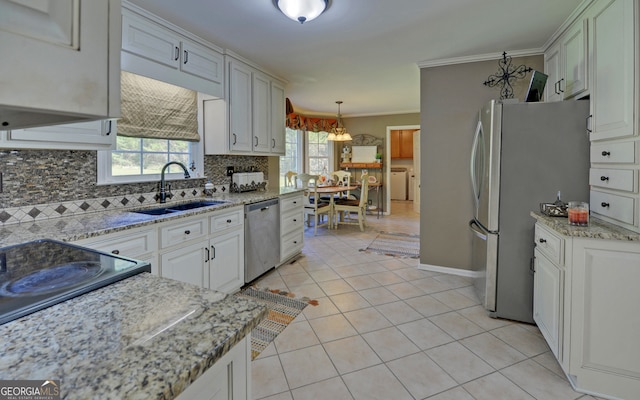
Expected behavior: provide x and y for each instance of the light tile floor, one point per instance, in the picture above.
(386, 330)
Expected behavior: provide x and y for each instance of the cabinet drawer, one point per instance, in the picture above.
(128, 244)
(290, 202)
(182, 232)
(291, 244)
(613, 206)
(227, 220)
(618, 179)
(610, 153)
(549, 244)
(291, 221)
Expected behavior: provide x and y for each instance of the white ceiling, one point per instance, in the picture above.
(365, 52)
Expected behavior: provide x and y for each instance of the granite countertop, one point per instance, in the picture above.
(597, 229)
(112, 344)
(80, 227)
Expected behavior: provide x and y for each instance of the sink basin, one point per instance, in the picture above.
(195, 204)
(180, 207)
(156, 211)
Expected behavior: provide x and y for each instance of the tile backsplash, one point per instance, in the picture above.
(41, 184)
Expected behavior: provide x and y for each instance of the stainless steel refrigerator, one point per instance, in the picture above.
(522, 155)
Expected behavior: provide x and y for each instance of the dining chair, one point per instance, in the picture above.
(290, 179)
(342, 210)
(343, 178)
(313, 207)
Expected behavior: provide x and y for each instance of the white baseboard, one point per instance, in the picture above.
(448, 270)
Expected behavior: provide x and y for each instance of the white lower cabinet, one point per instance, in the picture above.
(228, 379)
(547, 301)
(588, 311)
(605, 322)
(291, 226)
(140, 244)
(207, 251)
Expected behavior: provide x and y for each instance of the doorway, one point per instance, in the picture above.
(402, 167)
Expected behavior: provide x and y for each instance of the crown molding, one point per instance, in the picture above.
(480, 57)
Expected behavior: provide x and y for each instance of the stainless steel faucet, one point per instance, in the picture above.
(163, 189)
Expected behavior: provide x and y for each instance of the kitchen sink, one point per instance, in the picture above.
(156, 211)
(195, 204)
(179, 207)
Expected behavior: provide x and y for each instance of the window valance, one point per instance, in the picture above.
(300, 122)
(157, 110)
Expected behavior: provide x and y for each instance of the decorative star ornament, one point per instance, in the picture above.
(506, 76)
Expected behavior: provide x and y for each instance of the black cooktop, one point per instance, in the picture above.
(39, 274)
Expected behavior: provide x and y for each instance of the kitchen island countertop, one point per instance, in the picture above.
(144, 337)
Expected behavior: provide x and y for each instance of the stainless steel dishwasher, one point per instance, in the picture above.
(261, 238)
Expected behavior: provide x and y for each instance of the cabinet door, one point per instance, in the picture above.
(240, 107)
(547, 301)
(226, 265)
(261, 113)
(574, 51)
(56, 55)
(184, 264)
(552, 67)
(202, 62)
(395, 144)
(605, 322)
(149, 40)
(94, 135)
(612, 59)
(278, 133)
(406, 144)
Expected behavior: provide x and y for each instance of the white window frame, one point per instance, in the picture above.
(106, 178)
(306, 154)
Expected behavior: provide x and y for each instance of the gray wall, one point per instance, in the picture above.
(450, 98)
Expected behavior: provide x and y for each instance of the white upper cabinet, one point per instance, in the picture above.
(574, 51)
(566, 64)
(157, 49)
(61, 62)
(613, 67)
(92, 135)
(240, 114)
(552, 67)
(255, 109)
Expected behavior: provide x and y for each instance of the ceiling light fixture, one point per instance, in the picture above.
(339, 133)
(301, 10)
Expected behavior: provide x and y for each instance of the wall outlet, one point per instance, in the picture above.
(230, 170)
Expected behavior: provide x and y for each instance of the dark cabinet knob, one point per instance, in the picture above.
(605, 205)
(187, 232)
(604, 178)
(295, 220)
(228, 221)
(606, 153)
(541, 240)
(116, 251)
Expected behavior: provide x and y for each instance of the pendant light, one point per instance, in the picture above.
(301, 10)
(339, 133)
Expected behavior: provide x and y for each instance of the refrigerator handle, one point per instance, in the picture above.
(477, 231)
(474, 153)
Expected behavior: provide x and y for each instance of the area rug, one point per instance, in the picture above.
(395, 244)
(283, 308)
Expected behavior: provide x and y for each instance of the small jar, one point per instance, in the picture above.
(578, 213)
(208, 189)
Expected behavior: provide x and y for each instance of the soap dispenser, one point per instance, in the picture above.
(208, 188)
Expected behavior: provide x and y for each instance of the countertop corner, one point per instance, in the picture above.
(597, 229)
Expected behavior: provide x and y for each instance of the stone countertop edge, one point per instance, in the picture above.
(597, 229)
(141, 338)
(79, 227)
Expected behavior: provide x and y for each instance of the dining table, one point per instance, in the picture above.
(332, 190)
